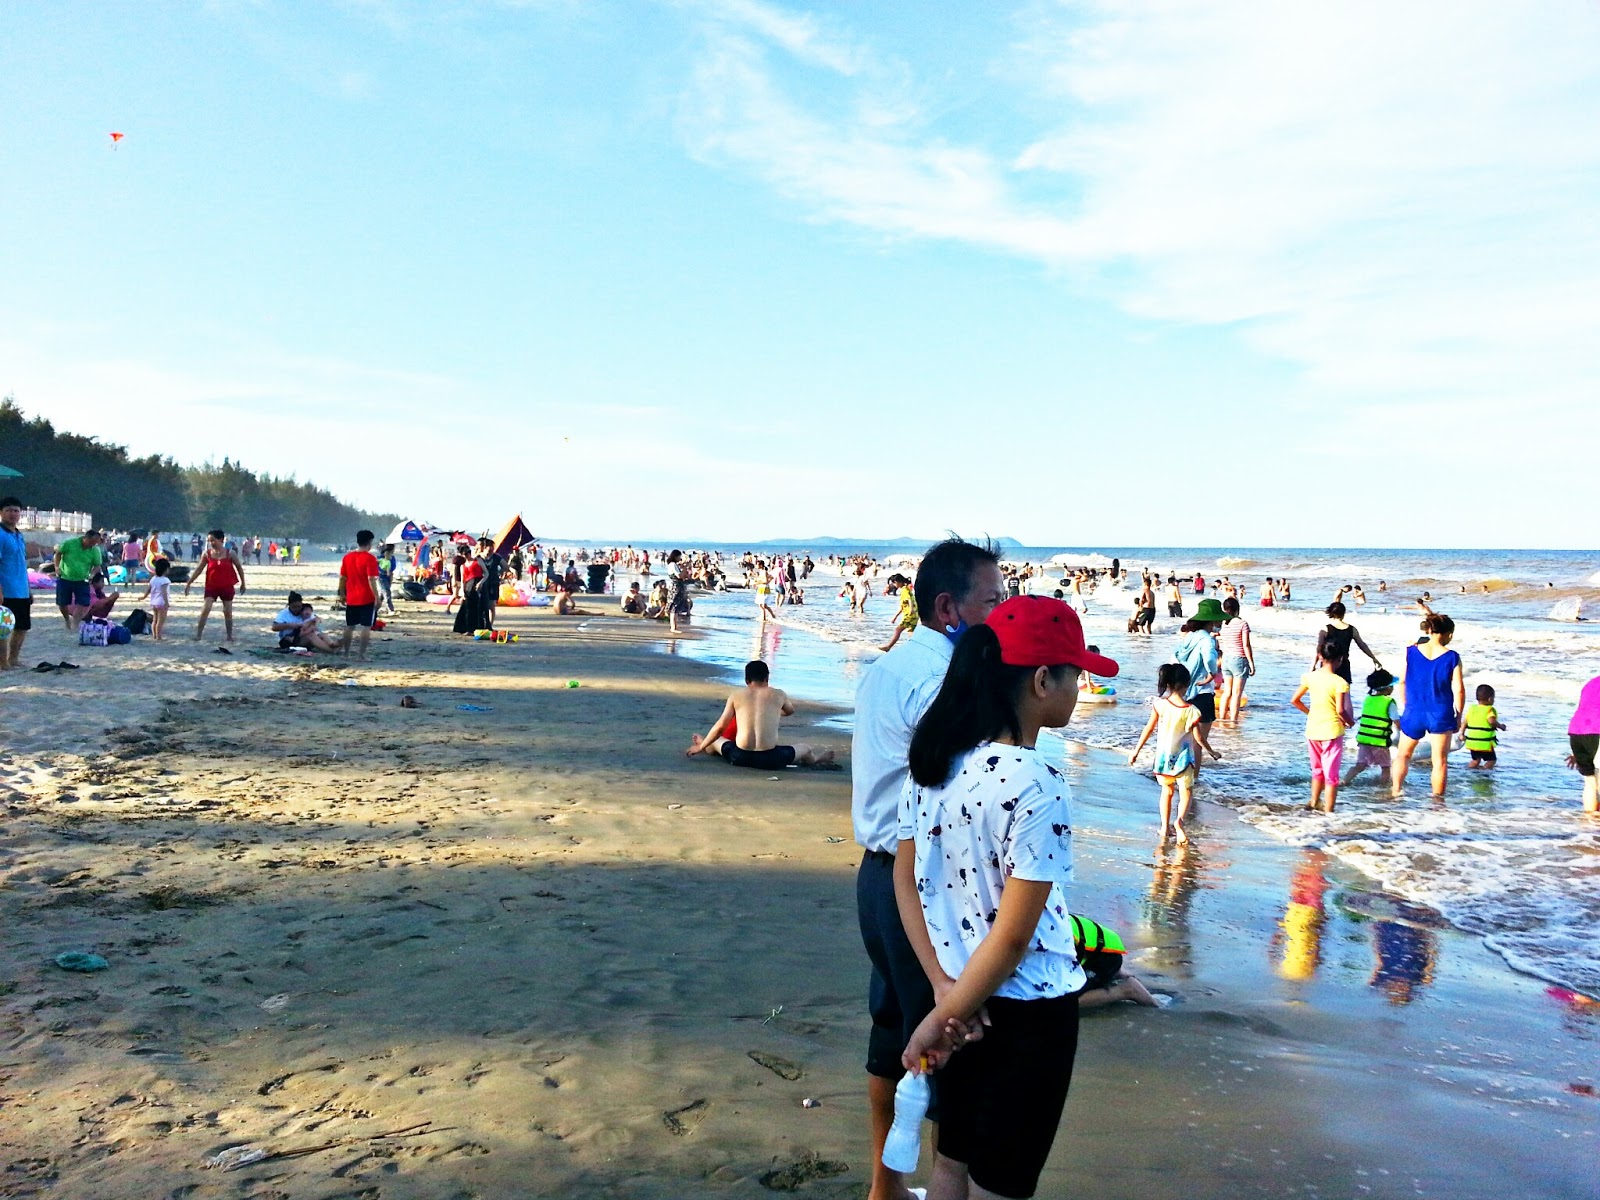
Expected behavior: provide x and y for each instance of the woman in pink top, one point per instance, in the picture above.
(1583, 733)
(1238, 660)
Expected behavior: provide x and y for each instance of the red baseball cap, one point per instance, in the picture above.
(1039, 631)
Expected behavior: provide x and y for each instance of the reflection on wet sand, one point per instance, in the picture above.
(1403, 942)
(1177, 878)
(1297, 944)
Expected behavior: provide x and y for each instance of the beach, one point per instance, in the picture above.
(528, 948)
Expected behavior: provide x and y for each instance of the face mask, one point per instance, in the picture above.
(954, 632)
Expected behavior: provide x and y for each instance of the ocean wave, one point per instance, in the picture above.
(1238, 564)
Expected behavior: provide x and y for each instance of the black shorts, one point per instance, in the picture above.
(1584, 745)
(775, 759)
(1206, 702)
(22, 610)
(1175, 608)
(360, 614)
(1102, 967)
(899, 995)
(1001, 1098)
(1482, 756)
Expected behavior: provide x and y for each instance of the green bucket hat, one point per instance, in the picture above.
(1209, 610)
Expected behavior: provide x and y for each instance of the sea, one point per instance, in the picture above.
(1507, 856)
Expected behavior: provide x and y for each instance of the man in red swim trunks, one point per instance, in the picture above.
(223, 572)
(358, 585)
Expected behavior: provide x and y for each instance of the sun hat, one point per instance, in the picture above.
(1038, 631)
(1210, 610)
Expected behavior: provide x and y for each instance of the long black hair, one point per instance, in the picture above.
(977, 703)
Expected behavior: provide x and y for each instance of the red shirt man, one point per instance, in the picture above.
(358, 576)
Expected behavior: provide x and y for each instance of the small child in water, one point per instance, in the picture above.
(1324, 697)
(159, 592)
(1375, 728)
(906, 619)
(1172, 720)
(1480, 730)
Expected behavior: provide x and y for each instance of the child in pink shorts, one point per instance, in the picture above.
(1324, 697)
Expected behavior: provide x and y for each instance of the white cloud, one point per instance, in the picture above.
(1398, 199)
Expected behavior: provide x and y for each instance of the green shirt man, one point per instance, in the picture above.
(78, 558)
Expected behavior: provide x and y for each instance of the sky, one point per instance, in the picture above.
(1089, 273)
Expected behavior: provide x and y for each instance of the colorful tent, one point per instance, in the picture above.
(515, 534)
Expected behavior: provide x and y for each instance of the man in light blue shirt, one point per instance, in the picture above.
(15, 593)
(958, 584)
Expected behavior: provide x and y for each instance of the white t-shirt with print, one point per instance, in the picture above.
(1003, 813)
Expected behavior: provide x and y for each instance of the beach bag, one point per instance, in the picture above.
(94, 632)
(138, 621)
(118, 635)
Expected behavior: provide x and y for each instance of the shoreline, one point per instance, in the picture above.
(556, 944)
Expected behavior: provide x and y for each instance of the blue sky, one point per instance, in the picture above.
(1076, 273)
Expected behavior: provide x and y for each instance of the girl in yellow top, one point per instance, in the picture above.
(1324, 696)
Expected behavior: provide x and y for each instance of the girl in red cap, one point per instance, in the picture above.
(981, 871)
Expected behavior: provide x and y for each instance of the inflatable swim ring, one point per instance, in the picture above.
(1101, 693)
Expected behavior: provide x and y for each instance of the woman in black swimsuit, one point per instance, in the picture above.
(1333, 643)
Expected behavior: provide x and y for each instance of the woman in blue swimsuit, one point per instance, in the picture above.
(1433, 702)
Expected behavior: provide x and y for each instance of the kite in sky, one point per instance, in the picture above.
(115, 138)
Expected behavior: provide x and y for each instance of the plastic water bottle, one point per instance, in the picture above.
(904, 1144)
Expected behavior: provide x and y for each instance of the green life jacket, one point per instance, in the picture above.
(1480, 730)
(1090, 935)
(1375, 724)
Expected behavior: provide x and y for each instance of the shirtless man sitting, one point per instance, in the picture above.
(757, 708)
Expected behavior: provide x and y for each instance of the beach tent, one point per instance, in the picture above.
(514, 534)
(409, 531)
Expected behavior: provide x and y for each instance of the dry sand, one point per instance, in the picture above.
(535, 951)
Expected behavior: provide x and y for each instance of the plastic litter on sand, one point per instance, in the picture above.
(79, 960)
(236, 1156)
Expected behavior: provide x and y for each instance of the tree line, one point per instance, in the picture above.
(83, 474)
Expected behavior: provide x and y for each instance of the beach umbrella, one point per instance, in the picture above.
(409, 531)
(514, 534)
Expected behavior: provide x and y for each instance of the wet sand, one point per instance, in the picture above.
(535, 951)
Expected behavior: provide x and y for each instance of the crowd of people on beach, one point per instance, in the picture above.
(979, 968)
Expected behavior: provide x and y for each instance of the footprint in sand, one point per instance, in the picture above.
(781, 1067)
(683, 1121)
(464, 1150)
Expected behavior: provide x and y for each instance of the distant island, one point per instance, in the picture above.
(917, 543)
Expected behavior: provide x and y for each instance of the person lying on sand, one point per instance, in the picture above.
(757, 707)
